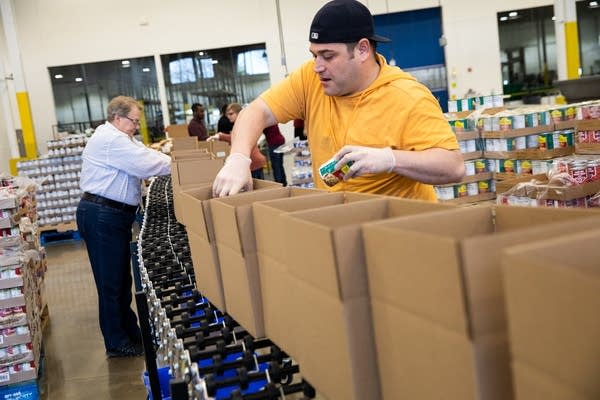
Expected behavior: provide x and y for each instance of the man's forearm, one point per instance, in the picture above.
(433, 166)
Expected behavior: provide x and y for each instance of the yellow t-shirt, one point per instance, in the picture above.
(394, 111)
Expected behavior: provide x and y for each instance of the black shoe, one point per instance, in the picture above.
(127, 350)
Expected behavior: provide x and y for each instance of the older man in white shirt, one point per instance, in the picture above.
(114, 163)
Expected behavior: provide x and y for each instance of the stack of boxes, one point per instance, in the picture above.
(22, 300)
(58, 176)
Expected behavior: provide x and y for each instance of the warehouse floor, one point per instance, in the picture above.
(75, 365)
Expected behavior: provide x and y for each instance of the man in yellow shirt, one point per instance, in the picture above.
(356, 108)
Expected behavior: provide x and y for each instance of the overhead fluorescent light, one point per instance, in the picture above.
(214, 61)
(505, 18)
(593, 4)
(513, 14)
(78, 79)
(505, 82)
(554, 18)
(58, 76)
(200, 53)
(125, 62)
(145, 69)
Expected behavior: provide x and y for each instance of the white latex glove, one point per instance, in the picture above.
(234, 177)
(367, 160)
(214, 137)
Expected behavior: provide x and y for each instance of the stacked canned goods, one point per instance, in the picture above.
(588, 137)
(463, 190)
(581, 169)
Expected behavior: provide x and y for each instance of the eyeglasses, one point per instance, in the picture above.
(135, 121)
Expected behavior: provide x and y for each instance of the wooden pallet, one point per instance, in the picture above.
(61, 227)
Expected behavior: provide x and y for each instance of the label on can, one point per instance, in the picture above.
(480, 166)
(484, 186)
(518, 121)
(505, 123)
(460, 190)
(557, 115)
(330, 175)
(531, 120)
(532, 141)
(525, 167)
(469, 168)
(520, 143)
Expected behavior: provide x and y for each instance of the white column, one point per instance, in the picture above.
(8, 114)
(162, 90)
(565, 13)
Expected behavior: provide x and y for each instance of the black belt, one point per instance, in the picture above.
(94, 198)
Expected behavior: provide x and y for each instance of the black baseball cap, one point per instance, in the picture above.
(343, 21)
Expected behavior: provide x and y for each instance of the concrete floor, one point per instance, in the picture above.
(75, 365)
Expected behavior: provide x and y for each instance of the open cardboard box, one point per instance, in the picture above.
(438, 301)
(184, 143)
(195, 213)
(177, 131)
(552, 290)
(190, 155)
(333, 335)
(234, 234)
(541, 189)
(189, 173)
(270, 245)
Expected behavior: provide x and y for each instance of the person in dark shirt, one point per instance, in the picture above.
(224, 125)
(196, 126)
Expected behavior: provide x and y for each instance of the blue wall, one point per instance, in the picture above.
(415, 41)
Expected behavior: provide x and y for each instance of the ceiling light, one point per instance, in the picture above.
(593, 4)
(554, 18)
(214, 61)
(505, 18)
(58, 76)
(125, 62)
(505, 82)
(200, 53)
(78, 79)
(145, 69)
(513, 14)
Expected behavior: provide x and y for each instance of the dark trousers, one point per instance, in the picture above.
(277, 165)
(258, 174)
(107, 233)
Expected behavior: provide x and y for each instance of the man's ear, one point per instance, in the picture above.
(364, 47)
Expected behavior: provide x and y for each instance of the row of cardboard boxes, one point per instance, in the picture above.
(388, 316)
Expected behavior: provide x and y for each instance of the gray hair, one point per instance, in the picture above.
(121, 106)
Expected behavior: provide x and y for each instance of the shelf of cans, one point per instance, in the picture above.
(573, 181)
(302, 175)
(518, 142)
(22, 299)
(195, 342)
(57, 175)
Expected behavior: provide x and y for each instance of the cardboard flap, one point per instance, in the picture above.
(196, 171)
(531, 383)
(420, 281)
(509, 217)
(398, 207)
(553, 308)
(184, 143)
(233, 220)
(190, 154)
(350, 261)
(196, 213)
(268, 227)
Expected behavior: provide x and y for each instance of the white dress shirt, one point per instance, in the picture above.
(114, 165)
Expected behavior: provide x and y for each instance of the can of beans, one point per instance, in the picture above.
(593, 170)
(330, 175)
(578, 171)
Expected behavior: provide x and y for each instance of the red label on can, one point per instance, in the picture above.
(594, 137)
(582, 137)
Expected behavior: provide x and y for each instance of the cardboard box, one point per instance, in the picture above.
(189, 173)
(438, 298)
(177, 131)
(587, 148)
(553, 296)
(332, 332)
(180, 155)
(184, 143)
(194, 210)
(234, 233)
(207, 270)
(219, 149)
(270, 244)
